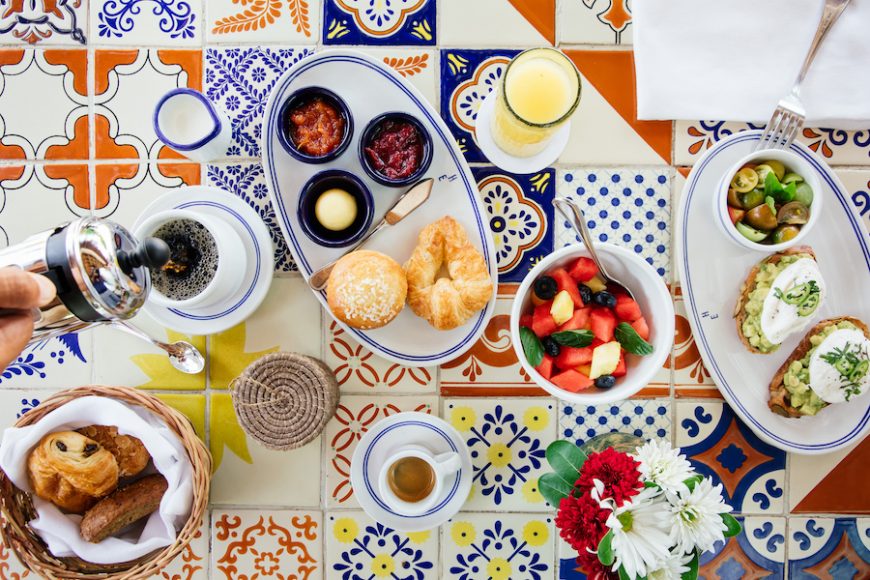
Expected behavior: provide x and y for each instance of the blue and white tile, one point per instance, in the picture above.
(718, 444)
(857, 184)
(520, 211)
(628, 208)
(498, 546)
(14, 403)
(400, 22)
(240, 80)
(62, 362)
(44, 23)
(467, 77)
(647, 418)
(147, 22)
(758, 551)
(507, 439)
(821, 547)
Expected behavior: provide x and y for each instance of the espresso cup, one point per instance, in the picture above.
(230, 259)
(437, 467)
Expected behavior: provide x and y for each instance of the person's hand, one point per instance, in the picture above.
(20, 292)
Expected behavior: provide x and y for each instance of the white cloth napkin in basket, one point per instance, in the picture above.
(61, 531)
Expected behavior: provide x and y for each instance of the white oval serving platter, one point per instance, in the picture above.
(369, 88)
(712, 269)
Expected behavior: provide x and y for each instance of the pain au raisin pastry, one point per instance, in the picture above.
(126, 505)
(129, 452)
(72, 471)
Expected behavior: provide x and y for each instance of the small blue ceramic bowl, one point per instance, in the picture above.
(300, 97)
(335, 178)
(371, 132)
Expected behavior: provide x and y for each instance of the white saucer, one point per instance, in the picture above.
(256, 278)
(519, 165)
(377, 445)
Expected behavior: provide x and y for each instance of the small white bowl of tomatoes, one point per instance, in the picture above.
(585, 341)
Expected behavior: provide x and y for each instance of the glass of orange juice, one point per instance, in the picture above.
(539, 92)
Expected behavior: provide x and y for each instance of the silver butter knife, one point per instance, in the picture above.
(407, 203)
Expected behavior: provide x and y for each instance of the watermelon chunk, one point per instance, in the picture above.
(583, 270)
(602, 322)
(641, 327)
(572, 380)
(571, 357)
(542, 321)
(546, 367)
(620, 368)
(565, 282)
(526, 320)
(626, 308)
(579, 321)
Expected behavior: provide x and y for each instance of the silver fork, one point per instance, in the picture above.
(789, 115)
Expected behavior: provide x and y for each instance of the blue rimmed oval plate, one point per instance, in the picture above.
(712, 269)
(370, 88)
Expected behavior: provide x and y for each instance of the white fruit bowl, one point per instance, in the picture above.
(651, 294)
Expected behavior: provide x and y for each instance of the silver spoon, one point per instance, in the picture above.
(182, 355)
(575, 216)
(407, 202)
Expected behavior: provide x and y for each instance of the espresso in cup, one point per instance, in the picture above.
(193, 259)
(411, 478)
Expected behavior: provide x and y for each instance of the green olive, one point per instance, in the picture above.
(804, 194)
(794, 212)
(751, 199)
(744, 180)
(761, 217)
(734, 199)
(784, 234)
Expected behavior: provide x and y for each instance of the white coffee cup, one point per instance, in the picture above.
(188, 122)
(231, 258)
(443, 465)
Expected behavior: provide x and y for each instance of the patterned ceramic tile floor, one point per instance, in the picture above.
(88, 146)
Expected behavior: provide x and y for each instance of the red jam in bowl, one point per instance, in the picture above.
(395, 150)
(316, 127)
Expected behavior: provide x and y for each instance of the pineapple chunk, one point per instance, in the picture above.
(563, 308)
(595, 284)
(605, 359)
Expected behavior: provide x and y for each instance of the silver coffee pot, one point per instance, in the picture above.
(101, 272)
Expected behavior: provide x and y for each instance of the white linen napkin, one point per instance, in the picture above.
(732, 60)
(61, 531)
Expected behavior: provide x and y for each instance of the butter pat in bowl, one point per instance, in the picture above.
(335, 208)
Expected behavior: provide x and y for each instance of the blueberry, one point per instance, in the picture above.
(604, 298)
(551, 347)
(585, 293)
(605, 381)
(545, 288)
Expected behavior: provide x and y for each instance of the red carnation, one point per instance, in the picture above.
(581, 522)
(617, 471)
(589, 564)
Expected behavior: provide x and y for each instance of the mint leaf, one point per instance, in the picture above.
(531, 346)
(772, 187)
(788, 193)
(631, 340)
(575, 338)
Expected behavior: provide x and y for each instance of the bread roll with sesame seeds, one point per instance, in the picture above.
(366, 289)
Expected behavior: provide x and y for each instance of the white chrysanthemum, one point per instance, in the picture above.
(696, 520)
(640, 531)
(664, 465)
(671, 568)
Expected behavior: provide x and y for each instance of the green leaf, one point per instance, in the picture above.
(692, 573)
(623, 575)
(605, 550)
(575, 338)
(788, 193)
(554, 488)
(650, 484)
(733, 525)
(631, 340)
(693, 481)
(772, 187)
(566, 459)
(531, 346)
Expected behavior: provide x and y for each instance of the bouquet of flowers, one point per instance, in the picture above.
(639, 514)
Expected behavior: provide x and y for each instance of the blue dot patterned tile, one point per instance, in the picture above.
(394, 22)
(239, 80)
(828, 548)
(718, 444)
(628, 208)
(520, 210)
(467, 76)
(650, 419)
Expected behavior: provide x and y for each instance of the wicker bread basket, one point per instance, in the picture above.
(17, 507)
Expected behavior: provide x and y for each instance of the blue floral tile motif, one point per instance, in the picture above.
(499, 547)
(174, 19)
(467, 76)
(34, 22)
(376, 22)
(829, 548)
(27, 405)
(520, 210)
(40, 358)
(248, 182)
(718, 444)
(627, 208)
(650, 419)
(239, 80)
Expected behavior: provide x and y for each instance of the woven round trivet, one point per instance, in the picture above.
(284, 400)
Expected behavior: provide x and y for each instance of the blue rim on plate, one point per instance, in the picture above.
(211, 112)
(369, 132)
(857, 228)
(301, 96)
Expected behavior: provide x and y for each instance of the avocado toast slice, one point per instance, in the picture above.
(780, 397)
(740, 313)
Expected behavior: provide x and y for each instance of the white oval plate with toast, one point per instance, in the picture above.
(370, 88)
(712, 269)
